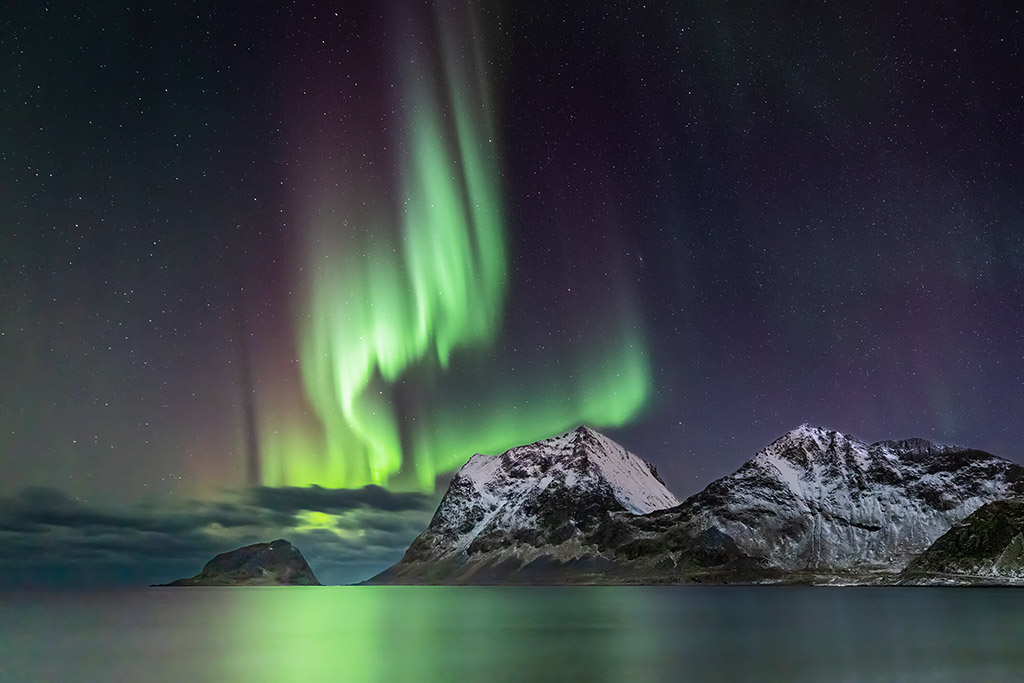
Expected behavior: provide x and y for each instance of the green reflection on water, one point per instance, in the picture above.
(495, 634)
(430, 634)
(625, 634)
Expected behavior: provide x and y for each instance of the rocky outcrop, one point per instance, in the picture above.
(277, 563)
(985, 548)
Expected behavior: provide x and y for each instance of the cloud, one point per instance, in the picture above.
(48, 538)
(290, 499)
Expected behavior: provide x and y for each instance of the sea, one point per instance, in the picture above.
(494, 634)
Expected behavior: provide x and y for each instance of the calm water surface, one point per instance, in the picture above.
(514, 634)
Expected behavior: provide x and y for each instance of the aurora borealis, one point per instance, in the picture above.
(402, 278)
(384, 298)
(264, 246)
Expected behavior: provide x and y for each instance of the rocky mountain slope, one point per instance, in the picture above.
(277, 563)
(531, 510)
(818, 500)
(987, 547)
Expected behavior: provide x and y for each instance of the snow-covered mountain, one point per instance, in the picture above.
(814, 505)
(537, 504)
(819, 500)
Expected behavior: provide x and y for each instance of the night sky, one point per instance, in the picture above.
(251, 248)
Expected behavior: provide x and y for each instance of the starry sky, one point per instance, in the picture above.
(253, 248)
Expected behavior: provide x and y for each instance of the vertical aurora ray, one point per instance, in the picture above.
(401, 283)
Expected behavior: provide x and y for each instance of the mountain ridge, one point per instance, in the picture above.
(818, 499)
(814, 502)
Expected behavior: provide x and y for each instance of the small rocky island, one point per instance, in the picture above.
(277, 563)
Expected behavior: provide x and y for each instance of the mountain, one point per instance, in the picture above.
(819, 501)
(815, 505)
(277, 563)
(987, 547)
(535, 513)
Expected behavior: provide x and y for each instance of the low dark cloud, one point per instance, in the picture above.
(48, 538)
(315, 498)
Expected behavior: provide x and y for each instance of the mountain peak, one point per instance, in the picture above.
(581, 436)
(807, 430)
(808, 441)
(816, 497)
(588, 458)
(539, 499)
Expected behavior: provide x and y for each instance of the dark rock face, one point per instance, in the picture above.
(986, 547)
(277, 563)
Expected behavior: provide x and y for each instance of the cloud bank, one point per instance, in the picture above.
(50, 539)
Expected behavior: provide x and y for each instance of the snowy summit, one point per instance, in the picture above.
(535, 500)
(817, 499)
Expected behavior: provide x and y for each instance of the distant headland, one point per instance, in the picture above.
(277, 563)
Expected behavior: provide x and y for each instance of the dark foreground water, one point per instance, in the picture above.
(395, 634)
